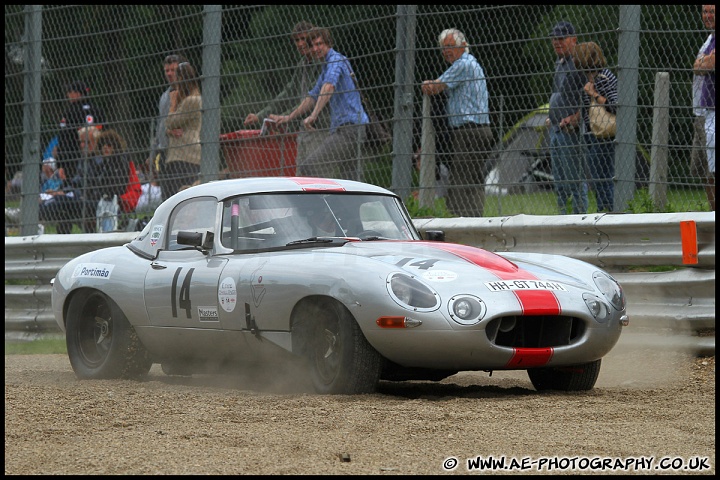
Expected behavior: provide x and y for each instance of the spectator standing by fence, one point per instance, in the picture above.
(601, 87)
(468, 113)
(566, 149)
(306, 72)
(52, 182)
(111, 181)
(80, 112)
(704, 68)
(158, 148)
(183, 124)
(69, 204)
(337, 155)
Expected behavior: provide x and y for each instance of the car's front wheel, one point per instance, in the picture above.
(101, 343)
(339, 358)
(569, 379)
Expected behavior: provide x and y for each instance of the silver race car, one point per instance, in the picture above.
(332, 274)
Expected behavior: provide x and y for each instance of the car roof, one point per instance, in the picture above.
(223, 189)
(151, 238)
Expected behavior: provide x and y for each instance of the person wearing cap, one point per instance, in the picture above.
(468, 111)
(564, 121)
(80, 112)
(51, 179)
(58, 201)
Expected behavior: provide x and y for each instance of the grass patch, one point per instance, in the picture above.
(42, 346)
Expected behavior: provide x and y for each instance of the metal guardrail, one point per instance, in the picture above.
(28, 310)
(606, 240)
(682, 300)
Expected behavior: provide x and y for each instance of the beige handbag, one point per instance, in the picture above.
(602, 122)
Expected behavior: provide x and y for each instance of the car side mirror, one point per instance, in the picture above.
(195, 239)
(435, 235)
(209, 240)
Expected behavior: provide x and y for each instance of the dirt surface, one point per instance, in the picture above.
(653, 399)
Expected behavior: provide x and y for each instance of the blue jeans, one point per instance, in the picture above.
(568, 169)
(601, 164)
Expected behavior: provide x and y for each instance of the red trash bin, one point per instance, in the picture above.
(247, 154)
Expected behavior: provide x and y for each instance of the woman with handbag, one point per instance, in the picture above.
(599, 109)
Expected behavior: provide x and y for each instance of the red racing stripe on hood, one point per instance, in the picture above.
(532, 302)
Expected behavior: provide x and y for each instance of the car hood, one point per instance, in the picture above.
(441, 261)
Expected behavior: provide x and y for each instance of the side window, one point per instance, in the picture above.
(196, 215)
(249, 226)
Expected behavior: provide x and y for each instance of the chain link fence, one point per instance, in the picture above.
(246, 56)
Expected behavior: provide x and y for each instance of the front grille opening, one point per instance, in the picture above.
(535, 331)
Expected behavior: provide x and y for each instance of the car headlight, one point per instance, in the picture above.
(611, 289)
(409, 292)
(466, 309)
(597, 307)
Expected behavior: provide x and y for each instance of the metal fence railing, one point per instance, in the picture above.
(112, 56)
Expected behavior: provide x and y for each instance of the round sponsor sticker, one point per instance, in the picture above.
(439, 276)
(227, 294)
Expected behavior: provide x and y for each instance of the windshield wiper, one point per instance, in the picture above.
(314, 240)
(374, 237)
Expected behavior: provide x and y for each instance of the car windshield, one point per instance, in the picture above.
(259, 222)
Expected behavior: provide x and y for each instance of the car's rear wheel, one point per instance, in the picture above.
(569, 379)
(101, 343)
(339, 358)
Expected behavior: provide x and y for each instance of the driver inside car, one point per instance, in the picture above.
(323, 223)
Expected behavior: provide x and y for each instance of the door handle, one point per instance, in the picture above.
(158, 266)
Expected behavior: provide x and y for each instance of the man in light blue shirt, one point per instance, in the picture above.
(469, 118)
(337, 156)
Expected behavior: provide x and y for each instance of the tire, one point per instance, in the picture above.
(569, 379)
(339, 358)
(101, 343)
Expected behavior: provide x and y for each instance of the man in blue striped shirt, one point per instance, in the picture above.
(469, 118)
(337, 155)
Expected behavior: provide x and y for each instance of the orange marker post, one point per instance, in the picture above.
(688, 237)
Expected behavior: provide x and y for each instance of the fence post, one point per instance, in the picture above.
(32, 65)
(659, 148)
(403, 109)
(626, 139)
(210, 130)
(427, 156)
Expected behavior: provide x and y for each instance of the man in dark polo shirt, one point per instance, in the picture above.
(564, 121)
